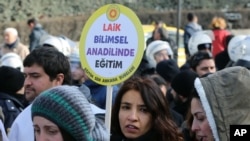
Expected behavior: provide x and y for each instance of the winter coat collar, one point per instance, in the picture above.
(12, 45)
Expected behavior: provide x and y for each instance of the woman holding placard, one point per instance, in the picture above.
(141, 113)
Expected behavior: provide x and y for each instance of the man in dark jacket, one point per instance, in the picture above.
(37, 32)
(190, 29)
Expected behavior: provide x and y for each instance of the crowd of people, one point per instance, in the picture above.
(45, 93)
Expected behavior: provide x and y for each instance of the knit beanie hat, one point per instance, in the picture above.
(69, 109)
(155, 47)
(183, 83)
(167, 69)
(11, 79)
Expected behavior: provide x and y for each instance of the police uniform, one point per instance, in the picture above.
(11, 107)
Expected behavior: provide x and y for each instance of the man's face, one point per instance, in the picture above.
(31, 26)
(9, 38)
(206, 66)
(36, 81)
(195, 19)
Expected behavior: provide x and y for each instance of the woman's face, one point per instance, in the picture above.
(134, 118)
(46, 130)
(200, 123)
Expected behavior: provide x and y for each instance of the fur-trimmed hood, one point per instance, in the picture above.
(225, 96)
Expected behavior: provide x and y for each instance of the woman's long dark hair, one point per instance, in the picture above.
(156, 105)
(190, 117)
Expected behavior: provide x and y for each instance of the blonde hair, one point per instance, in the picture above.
(218, 23)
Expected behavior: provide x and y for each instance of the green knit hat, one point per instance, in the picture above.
(69, 109)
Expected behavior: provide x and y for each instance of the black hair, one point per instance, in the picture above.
(32, 20)
(190, 16)
(51, 60)
(198, 57)
(156, 104)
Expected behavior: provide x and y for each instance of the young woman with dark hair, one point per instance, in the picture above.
(141, 113)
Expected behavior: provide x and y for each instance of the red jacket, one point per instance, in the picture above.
(219, 42)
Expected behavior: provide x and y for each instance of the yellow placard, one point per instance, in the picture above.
(112, 44)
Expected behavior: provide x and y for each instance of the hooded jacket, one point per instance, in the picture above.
(36, 35)
(225, 97)
(190, 29)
